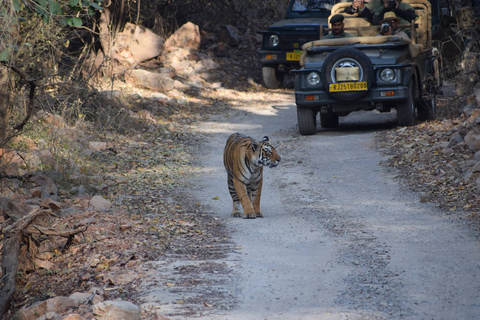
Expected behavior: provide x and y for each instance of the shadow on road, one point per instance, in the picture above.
(364, 122)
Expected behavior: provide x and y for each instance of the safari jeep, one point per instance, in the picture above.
(369, 72)
(282, 41)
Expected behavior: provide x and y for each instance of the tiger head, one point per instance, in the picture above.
(267, 155)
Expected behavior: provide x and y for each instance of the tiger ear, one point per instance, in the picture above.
(265, 139)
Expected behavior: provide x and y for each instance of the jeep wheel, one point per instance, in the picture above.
(307, 122)
(427, 108)
(344, 58)
(406, 109)
(272, 77)
(329, 120)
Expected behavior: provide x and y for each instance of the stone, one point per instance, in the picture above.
(49, 203)
(73, 316)
(57, 305)
(97, 145)
(474, 117)
(187, 36)
(230, 35)
(45, 182)
(472, 139)
(99, 203)
(457, 138)
(142, 43)
(116, 310)
(205, 65)
(160, 82)
(476, 167)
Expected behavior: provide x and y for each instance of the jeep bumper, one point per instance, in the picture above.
(321, 98)
(276, 58)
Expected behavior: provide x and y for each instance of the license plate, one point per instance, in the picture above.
(293, 56)
(348, 86)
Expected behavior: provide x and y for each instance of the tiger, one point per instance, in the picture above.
(244, 159)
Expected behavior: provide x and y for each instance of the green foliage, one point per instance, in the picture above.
(68, 12)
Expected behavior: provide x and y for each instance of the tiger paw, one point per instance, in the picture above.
(259, 214)
(250, 215)
(236, 214)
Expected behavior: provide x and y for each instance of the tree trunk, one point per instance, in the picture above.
(4, 102)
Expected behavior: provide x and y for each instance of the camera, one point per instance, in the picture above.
(385, 27)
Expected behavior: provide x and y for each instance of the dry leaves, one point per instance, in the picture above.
(429, 165)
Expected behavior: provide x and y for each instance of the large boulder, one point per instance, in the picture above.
(136, 44)
(186, 37)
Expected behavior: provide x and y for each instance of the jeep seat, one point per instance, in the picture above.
(423, 31)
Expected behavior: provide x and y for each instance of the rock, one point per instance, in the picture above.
(230, 35)
(145, 79)
(73, 316)
(457, 138)
(97, 145)
(56, 305)
(8, 186)
(205, 65)
(11, 162)
(116, 310)
(81, 297)
(476, 156)
(49, 203)
(136, 44)
(187, 37)
(474, 117)
(99, 203)
(476, 167)
(45, 182)
(472, 139)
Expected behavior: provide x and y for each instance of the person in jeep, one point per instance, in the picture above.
(389, 26)
(337, 28)
(403, 10)
(361, 8)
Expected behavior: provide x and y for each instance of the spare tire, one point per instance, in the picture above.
(344, 58)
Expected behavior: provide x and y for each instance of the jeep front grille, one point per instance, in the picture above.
(287, 42)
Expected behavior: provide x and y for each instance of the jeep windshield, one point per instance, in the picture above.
(304, 6)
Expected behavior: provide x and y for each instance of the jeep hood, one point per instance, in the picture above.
(299, 24)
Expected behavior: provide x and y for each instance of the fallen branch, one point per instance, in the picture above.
(19, 227)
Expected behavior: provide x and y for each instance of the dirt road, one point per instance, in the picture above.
(341, 238)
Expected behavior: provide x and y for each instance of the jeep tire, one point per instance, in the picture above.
(406, 109)
(351, 55)
(272, 77)
(427, 108)
(307, 121)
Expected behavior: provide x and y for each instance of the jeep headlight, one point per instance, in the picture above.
(387, 75)
(274, 41)
(313, 79)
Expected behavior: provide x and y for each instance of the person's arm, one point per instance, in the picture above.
(378, 17)
(366, 13)
(408, 15)
(349, 10)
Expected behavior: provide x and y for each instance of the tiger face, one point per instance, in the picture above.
(267, 156)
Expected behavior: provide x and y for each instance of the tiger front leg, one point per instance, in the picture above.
(242, 195)
(256, 195)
